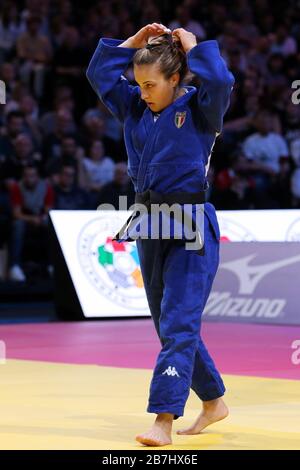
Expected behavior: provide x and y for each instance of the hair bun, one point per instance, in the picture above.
(165, 39)
(151, 46)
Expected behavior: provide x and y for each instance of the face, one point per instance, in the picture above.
(27, 104)
(292, 114)
(67, 177)
(71, 37)
(63, 120)
(30, 177)
(156, 90)
(7, 72)
(69, 147)
(276, 64)
(97, 150)
(15, 125)
(33, 26)
(263, 123)
(23, 146)
(121, 176)
(95, 126)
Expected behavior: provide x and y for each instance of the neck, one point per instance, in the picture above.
(179, 91)
(176, 93)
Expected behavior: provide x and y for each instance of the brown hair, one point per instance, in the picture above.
(168, 54)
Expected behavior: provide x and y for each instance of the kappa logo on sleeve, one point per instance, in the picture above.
(180, 118)
(171, 371)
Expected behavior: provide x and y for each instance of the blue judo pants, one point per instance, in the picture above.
(177, 283)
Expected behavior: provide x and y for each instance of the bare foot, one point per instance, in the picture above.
(213, 411)
(160, 433)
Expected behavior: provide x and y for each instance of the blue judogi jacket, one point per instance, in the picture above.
(161, 155)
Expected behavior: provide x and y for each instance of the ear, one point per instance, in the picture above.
(175, 79)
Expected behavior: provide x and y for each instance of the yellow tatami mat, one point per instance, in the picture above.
(61, 406)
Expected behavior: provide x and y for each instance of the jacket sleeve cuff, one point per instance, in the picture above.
(111, 45)
(202, 47)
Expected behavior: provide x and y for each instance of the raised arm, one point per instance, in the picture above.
(108, 64)
(205, 61)
(105, 74)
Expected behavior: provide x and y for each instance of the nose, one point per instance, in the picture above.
(145, 96)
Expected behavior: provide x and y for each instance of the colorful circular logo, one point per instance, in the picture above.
(112, 267)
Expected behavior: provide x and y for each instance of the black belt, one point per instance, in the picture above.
(152, 197)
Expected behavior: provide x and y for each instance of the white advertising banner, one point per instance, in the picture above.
(260, 225)
(106, 274)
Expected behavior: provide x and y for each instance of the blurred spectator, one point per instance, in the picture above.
(70, 63)
(96, 170)
(184, 20)
(57, 30)
(295, 188)
(63, 114)
(291, 129)
(35, 52)
(264, 150)
(9, 29)
(31, 200)
(95, 129)
(275, 76)
(64, 125)
(29, 108)
(5, 220)
(15, 124)
(39, 8)
(282, 189)
(233, 186)
(113, 128)
(67, 194)
(22, 155)
(283, 43)
(120, 186)
(67, 155)
(98, 167)
(8, 76)
(70, 58)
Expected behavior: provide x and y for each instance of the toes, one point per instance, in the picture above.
(183, 431)
(150, 440)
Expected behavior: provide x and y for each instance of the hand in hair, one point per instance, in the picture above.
(140, 39)
(188, 40)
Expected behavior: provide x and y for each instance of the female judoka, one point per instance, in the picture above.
(169, 131)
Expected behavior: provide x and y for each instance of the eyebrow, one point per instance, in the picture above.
(147, 81)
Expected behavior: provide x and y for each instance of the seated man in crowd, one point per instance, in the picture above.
(31, 200)
(265, 151)
(5, 219)
(120, 186)
(68, 196)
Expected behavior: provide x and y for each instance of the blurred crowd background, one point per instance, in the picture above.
(60, 147)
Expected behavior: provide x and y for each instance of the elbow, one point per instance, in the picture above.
(226, 80)
(90, 72)
(221, 76)
(230, 79)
